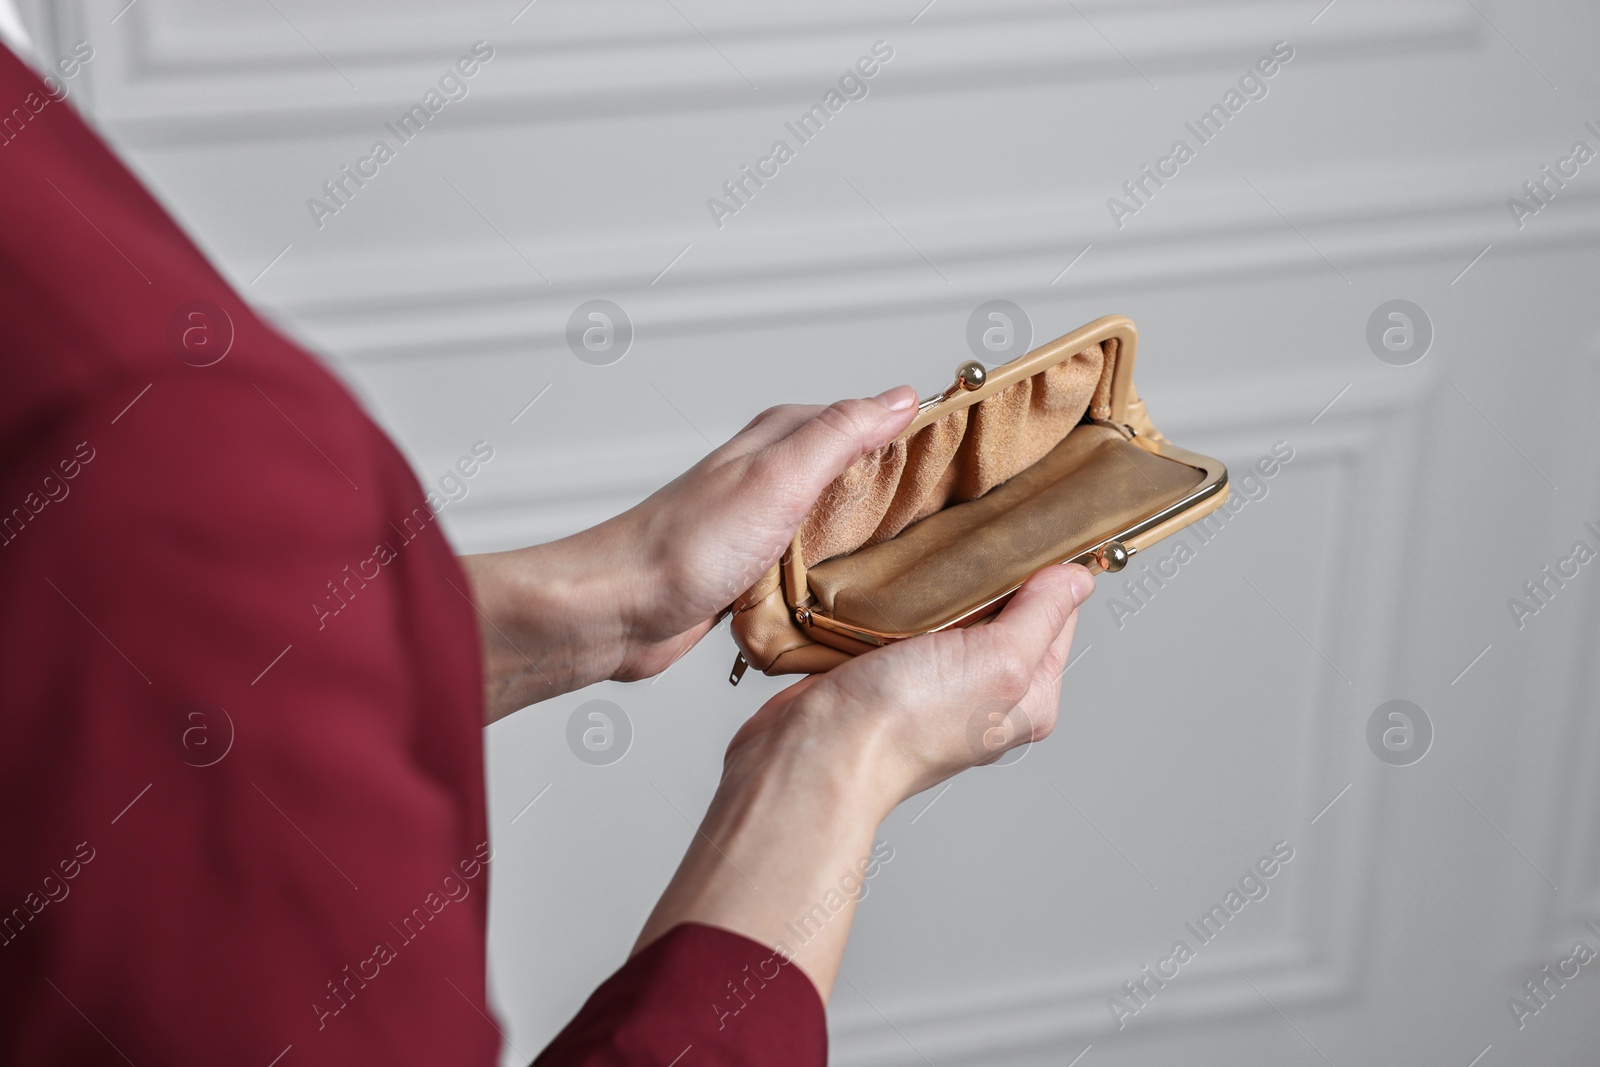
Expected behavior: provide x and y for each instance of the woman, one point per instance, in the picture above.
(244, 831)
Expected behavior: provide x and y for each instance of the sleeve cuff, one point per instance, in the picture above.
(730, 1000)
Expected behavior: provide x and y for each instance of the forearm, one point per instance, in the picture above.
(550, 619)
(783, 851)
(626, 599)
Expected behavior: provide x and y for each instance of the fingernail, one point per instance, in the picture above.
(897, 399)
(1082, 585)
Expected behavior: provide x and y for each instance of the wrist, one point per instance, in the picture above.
(786, 846)
(551, 621)
(814, 750)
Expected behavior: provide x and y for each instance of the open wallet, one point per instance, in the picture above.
(1048, 459)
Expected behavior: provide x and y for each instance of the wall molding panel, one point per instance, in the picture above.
(373, 309)
(578, 167)
(187, 72)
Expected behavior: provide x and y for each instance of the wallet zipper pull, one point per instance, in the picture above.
(740, 665)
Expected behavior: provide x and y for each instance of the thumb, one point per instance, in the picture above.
(1028, 629)
(822, 447)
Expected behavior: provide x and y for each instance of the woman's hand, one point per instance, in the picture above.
(713, 532)
(810, 776)
(627, 598)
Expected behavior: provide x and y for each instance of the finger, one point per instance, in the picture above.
(766, 429)
(1033, 717)
(820, 448)
(1055, 660)
(1029, 628)
(1002, 655)
(1042, 703)
(770, 427)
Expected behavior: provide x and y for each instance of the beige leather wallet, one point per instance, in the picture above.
(1047, 459)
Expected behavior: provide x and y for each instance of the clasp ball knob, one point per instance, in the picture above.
(1112, 557)
(971, 375)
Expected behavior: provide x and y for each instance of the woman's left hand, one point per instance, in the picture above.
(626, 599)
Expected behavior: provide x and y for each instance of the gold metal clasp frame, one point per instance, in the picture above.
(970, 375)
(1110, 553)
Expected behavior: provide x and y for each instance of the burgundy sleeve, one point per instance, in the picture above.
(698, 995)
(241, 725)
(250, 831)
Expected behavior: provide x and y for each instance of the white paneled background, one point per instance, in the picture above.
(1226, 714)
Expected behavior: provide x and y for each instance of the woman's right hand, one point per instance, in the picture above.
(809, 777)
(925, 709)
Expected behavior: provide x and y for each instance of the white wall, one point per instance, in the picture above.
(1219, 719)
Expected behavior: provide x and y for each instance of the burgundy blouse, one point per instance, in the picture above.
(240, 826)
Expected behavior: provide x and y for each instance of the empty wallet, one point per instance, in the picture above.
(1048, 459)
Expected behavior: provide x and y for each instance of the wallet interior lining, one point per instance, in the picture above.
(957, 459)
(1094, 480)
